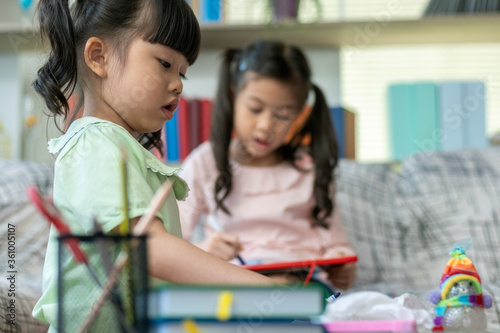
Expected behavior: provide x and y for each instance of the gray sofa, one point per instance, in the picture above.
(403, 219)
(19, 218)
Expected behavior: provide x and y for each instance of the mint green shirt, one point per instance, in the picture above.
(88, 184)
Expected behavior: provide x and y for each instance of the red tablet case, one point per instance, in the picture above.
(288, 266)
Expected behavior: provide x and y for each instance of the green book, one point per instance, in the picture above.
(402, 133)
(414, 119)
(426, 116)
(177, 302)
(253, 324)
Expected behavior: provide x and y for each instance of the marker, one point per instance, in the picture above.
(333, 297)
(217, 227)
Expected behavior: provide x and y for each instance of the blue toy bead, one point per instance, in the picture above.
(487, 301)
(435, 296)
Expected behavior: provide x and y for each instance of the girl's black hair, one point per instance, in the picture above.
(169, 22)
(286, 63)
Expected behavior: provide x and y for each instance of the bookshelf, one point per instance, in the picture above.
(431, 30)
(20, 36)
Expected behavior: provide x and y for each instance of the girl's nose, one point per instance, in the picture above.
(265, 120)
(176, 86)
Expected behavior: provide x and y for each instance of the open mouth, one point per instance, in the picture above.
(169, 109)
(262, 143)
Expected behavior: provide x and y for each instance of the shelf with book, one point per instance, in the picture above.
(436, 116)
(382, 31)
(378, 31)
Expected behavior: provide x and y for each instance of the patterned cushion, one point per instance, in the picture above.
(403, 225)
(15, 176)
(31, 235)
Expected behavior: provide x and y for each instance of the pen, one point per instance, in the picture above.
(333, 297)
(216, 226)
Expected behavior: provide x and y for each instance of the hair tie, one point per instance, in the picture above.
(243, 65)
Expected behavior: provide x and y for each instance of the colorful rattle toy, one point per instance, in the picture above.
(460, 303)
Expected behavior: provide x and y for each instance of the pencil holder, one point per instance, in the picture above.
(104, 289)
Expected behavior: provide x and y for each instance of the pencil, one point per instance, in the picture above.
(216, 226)
(154, 206)
(125, 225)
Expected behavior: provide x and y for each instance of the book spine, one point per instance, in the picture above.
(427, 117)
(399, 119)
(349, 134)
(210, 11)
(194, 124)
(431, 8)
(172, 142)
(474, 114)
(183, 128)
(205, 119)
(451, 123)
(337, 117)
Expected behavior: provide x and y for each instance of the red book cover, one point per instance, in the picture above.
(299, 265)
(205, 119)
(194, 124)
(183, 129)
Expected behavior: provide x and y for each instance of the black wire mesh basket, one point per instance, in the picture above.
(102, 288)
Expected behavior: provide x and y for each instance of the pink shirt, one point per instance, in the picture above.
(270, 210)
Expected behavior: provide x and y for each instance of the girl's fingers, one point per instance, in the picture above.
(342, 276)
(223, 245)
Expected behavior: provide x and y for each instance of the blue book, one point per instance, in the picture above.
(450, 105)
(172, 138)
(474, 115)
(337, 117)
(210, 11)
(425, 116)
(403, 135)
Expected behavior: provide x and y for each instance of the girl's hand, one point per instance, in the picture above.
(221, 244)
(342, 276)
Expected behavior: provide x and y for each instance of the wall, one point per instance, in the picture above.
(202, 76)
(10, 95)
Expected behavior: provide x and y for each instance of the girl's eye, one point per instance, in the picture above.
(183, 76)
(283, 117)
(255, 110)
(165, 64)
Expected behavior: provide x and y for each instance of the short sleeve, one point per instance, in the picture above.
(89, 178)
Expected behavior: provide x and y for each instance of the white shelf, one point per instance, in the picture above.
(18, 37)
(432, 30)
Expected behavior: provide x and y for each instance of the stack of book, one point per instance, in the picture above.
(451, 7)
(436, 117)
(216, 309)
(189, 127)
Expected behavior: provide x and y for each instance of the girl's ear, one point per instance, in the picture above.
(96, 55)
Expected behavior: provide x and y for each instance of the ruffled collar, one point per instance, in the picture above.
(179, 186)
(257, 180)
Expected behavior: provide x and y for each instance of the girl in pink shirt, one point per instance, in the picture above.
(266, 176)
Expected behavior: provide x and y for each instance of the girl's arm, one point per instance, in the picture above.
(175, 260)
(335, 243)
(334, 240)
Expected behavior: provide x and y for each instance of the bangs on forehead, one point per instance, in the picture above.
(172, 23)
